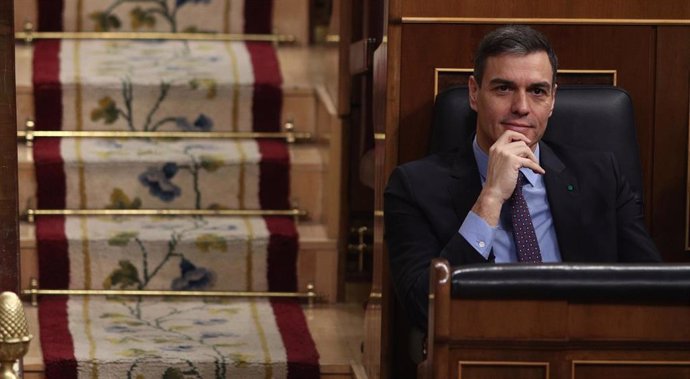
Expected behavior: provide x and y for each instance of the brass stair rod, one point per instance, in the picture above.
(34, 292)
(31, 214)
(29, 36)
(30, 134)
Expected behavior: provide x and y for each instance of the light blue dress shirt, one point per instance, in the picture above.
(484, 238)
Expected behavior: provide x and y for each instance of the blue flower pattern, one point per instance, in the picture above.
(180, 3)
(158, 181)
(202, 123)
(213, 321)
(120, 329)
(192, 278)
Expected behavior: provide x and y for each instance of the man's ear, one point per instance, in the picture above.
(474, 90)
(553, 99)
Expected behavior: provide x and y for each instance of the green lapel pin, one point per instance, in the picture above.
(570, 187)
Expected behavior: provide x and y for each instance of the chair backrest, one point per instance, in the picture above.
(596, 118)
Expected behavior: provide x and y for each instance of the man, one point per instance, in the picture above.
(465, 205)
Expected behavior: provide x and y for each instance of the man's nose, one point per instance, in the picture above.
(520, 103)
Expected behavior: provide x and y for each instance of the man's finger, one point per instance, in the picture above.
(533, 165)
(512, 136)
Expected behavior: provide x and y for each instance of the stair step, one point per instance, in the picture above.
(317, 260)
(290, 17)
(299, 95)
(336, 329)
(307, 172)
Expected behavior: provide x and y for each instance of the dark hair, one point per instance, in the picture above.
(512, 39)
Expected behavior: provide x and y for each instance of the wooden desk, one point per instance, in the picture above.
(554, 337)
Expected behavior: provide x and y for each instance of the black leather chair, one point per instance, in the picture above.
(597, 118)
(587, 117)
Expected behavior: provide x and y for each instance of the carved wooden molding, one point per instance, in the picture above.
(547, 21)
(502, 364)
(612, 364)
(687, 185)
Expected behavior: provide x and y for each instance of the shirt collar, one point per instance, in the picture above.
(483, 163)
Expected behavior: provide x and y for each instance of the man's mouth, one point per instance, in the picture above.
(516, 126)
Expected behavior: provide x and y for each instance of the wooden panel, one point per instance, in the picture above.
(671, 142)
(532, 319)
(376, 330)
(344, 80)
(446, 78)
(24, 11)
(632, 322)
(377, 314)
(291, 17)
(630, 370)
(503, 370)
(614, 9)
(630, 50)
(9, 235)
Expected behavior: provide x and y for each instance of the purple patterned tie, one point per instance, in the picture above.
(523, 230)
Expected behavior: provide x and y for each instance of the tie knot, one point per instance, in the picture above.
(522, 179)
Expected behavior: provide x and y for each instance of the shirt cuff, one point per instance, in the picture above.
(478, 233)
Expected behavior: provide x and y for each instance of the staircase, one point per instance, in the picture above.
(115, 88)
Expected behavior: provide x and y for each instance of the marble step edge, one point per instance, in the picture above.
(338, 347)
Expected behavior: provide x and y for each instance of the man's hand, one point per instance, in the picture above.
(506, 156)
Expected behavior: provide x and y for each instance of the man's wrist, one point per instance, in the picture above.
(488, 207)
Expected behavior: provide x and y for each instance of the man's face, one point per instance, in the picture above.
(517, 93)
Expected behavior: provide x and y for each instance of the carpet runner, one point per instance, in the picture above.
(207, 338)
(105, 338)
(159, 86)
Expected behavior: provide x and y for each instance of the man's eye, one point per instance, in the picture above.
(502, 88)
(538, 91)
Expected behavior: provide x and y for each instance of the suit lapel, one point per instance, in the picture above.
(465, 184)
(464, 188)
(564, 196)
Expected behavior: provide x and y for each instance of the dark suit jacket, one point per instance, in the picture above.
(596, 216)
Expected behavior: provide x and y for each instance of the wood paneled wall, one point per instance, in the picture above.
(646, 43)
(670, 145)
(597, 9)
(9, 230)
(626, 49)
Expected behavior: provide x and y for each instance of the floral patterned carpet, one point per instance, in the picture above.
(164, 86)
